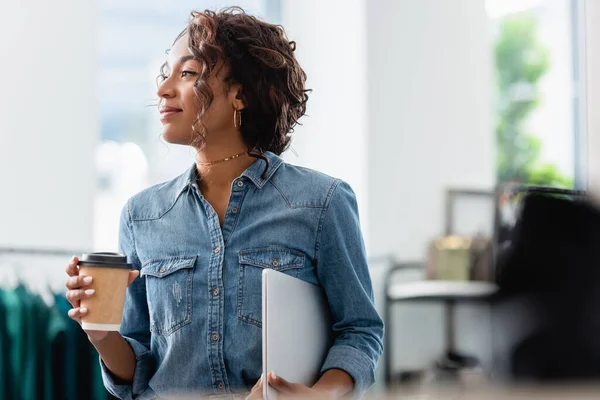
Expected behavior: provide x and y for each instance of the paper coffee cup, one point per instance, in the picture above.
(111, 273)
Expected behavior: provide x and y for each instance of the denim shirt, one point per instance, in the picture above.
(193, 318)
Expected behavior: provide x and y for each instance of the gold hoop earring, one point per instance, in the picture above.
(237, 119)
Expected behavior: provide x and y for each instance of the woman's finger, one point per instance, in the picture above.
(72, 269)
(77, 313)
(256, 394)
(78, 281)
(78, 294)
(133, 276)
(258, 383)
(280, 384)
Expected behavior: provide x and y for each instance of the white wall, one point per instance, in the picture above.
(430, 97)
(48, 114)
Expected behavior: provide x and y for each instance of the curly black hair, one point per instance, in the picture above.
(261, 59)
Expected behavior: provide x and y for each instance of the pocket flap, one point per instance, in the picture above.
(160, 267)
(274, 258)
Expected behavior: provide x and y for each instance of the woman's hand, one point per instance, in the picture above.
(288, 390)
(256, 393)
(79, 288)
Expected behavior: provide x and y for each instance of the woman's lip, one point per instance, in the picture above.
(168, 113)
(168, 108)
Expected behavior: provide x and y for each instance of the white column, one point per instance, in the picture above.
(430, 115)
(49, 127)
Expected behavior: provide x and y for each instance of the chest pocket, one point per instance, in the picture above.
(169, 292)
(252, 263)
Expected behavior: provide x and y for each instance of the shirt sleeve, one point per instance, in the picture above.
(344, 274)
(135, 325)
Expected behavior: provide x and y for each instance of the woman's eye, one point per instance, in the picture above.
(162, 77)
(188, 73)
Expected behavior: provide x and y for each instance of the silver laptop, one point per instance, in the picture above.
(296, 329)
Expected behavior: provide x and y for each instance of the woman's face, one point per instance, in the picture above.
(179, 104)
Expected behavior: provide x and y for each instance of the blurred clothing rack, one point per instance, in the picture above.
(40, 346)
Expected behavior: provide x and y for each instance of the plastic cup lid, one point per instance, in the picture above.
(107, 260)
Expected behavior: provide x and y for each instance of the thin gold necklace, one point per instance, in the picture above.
(223, 160)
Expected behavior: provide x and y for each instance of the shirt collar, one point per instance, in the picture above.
(260, 172)
(254, 172)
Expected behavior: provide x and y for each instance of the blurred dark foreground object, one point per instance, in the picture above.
(551, 273)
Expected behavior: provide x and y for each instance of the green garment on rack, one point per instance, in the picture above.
(80, 355)
(98, 389)
(44, 354)
(5, 390)
(15, 331)
(73, 353)
(54, 362)
(33, 382)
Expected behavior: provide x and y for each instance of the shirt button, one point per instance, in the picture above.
(163, 269)
(215, 291)
(234, 210)
(240, 183)
(215, 337)
(220, 386)
(217, 250)
(275, 263)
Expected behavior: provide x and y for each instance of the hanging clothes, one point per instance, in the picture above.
(5, 377)
(45, 354)
(13, 332)
(56, 347)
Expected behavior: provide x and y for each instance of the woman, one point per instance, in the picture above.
(232, 88)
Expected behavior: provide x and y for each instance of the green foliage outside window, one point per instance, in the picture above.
(521, 61)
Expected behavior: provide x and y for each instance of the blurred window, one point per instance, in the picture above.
(539, 130)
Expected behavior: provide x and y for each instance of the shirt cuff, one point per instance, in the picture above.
(355, 363)
(138, 388)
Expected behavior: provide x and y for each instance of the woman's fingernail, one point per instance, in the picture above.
(82, 310)
(273, 376)
(87, 279)
(90, 292)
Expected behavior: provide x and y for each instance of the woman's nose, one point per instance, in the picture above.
(165, 89)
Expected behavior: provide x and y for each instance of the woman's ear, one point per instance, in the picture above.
(237, 97)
